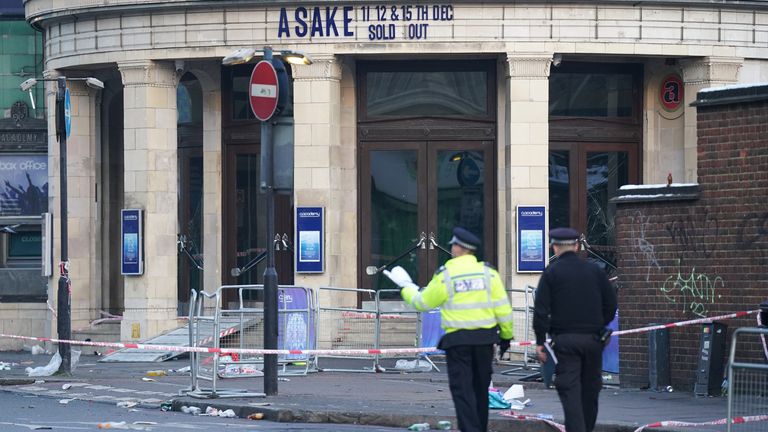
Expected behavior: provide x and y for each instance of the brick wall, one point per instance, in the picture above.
(693, 258)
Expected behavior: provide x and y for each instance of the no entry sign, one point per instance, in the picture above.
(264, 91)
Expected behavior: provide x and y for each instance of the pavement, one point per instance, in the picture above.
(394, 399)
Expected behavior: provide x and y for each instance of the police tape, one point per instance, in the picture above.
(538, 417)
(674, 423)
(349, 352)
(684, 323)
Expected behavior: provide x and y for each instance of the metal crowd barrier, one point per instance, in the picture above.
(346, 327)
(398, 329)
(747, 385)
(205, 331)
(521, 357)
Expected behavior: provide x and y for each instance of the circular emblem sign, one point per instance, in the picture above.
(263, 90)
(671, 92)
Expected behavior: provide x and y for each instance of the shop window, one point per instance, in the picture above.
(23, 185)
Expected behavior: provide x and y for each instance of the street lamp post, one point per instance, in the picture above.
(64, 292)
(267, 187)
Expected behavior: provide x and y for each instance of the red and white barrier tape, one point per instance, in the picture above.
(512, 415)
(684, 323)
(673, 423)
(350, 352)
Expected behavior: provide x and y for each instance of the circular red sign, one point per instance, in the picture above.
(263, 90)
(671, 92)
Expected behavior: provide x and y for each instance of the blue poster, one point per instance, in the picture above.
(23, 185)
(296, 328)
(531, 249)
(310, 237)
(131, 242)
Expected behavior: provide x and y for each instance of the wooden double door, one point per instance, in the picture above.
(421, 190)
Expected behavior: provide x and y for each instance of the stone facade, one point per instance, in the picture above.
(148, 47)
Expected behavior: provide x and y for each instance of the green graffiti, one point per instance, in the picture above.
(695, 291)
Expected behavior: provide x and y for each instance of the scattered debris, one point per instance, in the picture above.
(6, 366)
(256, 416)
(191, 410)
(65, 401)
(147, 379)
(211, 411)
(166, 406)
(47, 370)
(127, 404)
(283, 379)
(37, 349)
(66, 386)
(156, 373)
(413, 365)
(260, 404)
(419, 427)
(444, 425)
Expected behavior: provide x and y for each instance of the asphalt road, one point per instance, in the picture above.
(24, 413)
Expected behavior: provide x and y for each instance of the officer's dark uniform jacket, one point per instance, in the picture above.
(573, 296)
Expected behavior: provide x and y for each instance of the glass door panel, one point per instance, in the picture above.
(559, 189)
(393, 221)
(461, 184)
(250, 233)
(606, 173)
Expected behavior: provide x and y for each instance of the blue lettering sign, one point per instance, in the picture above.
(384, 21)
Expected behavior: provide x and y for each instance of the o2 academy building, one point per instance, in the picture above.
(506, 118)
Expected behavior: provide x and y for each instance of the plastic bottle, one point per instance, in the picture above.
(444, 425)
(419, 427)
(113, 425)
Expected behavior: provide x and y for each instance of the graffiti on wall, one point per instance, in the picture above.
(753, 234)
(643, 250)
(695, 292)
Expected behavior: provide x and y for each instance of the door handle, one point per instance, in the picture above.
(433, 243)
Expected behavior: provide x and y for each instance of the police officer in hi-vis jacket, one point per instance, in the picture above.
(475, 313)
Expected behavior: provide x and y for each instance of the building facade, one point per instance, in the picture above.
(411, 119)
(23, 174)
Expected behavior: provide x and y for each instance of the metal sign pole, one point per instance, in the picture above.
(64, 321)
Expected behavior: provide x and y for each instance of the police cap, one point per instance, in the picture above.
(563, 236)
(465, 239)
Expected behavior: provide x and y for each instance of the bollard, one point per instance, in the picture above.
(659, 374)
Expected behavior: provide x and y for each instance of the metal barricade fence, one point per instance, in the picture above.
(205, 331)
(747, 386)
(346, 327)
(244, 321)
(521, 357)
(396, 328)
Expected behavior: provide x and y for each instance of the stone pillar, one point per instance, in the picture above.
(324, 168)
(209, 75)
(699, 74)
(526, 161)
(151, 176)
(83, 223)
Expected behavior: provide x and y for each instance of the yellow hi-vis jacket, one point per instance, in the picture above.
(470, 295)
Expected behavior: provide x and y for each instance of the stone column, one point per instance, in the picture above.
(324, 168)
(151, 176)
(526, 158)
(699, 74)
(83, 223)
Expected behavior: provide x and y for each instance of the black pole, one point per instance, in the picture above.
(63, 320)
(270, 274)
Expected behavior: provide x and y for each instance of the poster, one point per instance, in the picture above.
(296, 328)
(531, 250)
(310, 237)
(131, 247)
(23, 185)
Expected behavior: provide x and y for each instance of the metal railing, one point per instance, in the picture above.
(747, 386)
(521, 357)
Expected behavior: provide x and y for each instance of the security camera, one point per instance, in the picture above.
(179, 65)
(28, 84)
(557, 59)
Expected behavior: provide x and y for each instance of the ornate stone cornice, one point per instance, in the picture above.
(323, 68)
(528, 65)
(712, 70)
(147, 73)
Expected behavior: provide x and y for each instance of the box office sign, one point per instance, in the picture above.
(531, 250)
(382, 22)
(23, 185)
(310, 237)
(132, 242)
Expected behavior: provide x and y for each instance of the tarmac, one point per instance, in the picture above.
(390, 398)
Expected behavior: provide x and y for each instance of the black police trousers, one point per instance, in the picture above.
(578, 378)
(469, 375)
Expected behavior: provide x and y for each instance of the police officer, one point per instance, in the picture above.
(574, 303)
(475, 313)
